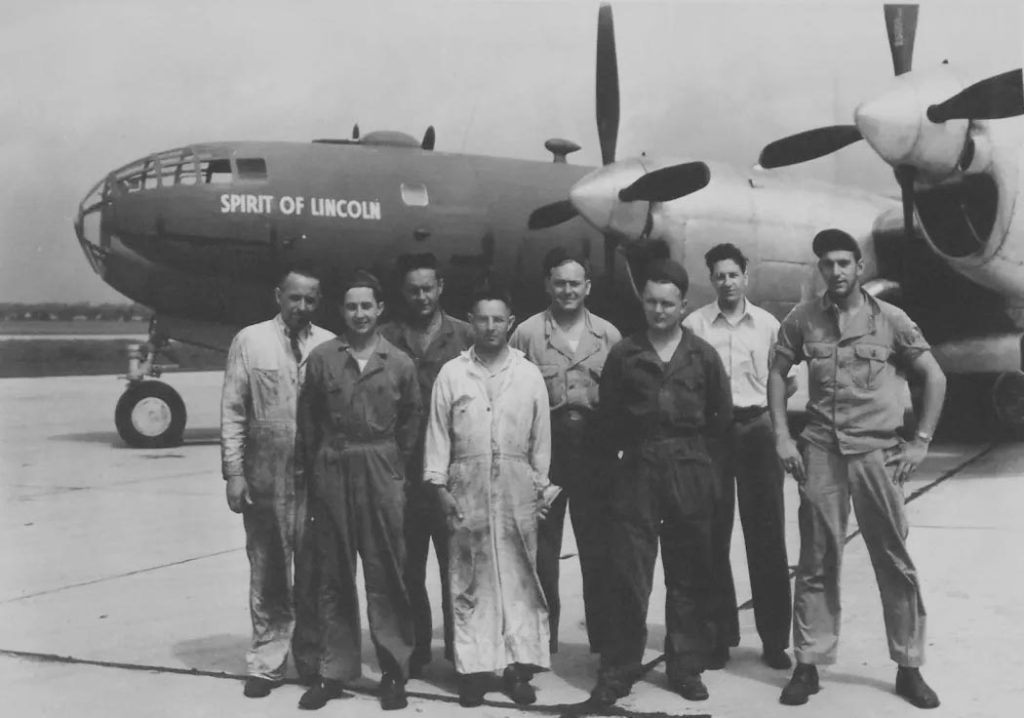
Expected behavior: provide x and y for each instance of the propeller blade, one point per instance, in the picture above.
(355, 131)
(428, 138)
(668, 183)
(901, 25)
(991, 99)
(607, 90)
(808, 145)
(905, 175)
(551, 214)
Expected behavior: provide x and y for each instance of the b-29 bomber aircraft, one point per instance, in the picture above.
(199, 233)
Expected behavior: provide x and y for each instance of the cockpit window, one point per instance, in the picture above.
(251, 168)
(215, 171)
(415, 195)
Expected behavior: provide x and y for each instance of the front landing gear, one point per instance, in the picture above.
(150, 414)
(1008, 403)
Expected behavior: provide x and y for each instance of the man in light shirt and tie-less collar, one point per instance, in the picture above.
(743, 335)
(264, 481)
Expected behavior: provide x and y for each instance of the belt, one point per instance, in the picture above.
(747, 413)
(571, 413)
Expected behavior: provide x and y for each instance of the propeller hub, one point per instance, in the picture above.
(596, 197)
(895, 124)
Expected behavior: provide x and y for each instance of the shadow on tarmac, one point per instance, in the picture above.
(202, 436)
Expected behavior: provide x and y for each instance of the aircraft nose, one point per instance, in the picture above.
(596, 198)
(89, 225)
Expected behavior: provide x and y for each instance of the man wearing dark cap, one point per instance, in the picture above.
(431, 338)
(663, 394)
(854, 345)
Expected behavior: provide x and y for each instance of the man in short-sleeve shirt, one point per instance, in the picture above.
(854, 346)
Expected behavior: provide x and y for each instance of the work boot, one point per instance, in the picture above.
(472, 688)
(322, 691)
(392, 692)
(801, 686)
(607, 691)
(776, 658)
(690, 687)
(517, 686)
(910, 684)
(256, 687)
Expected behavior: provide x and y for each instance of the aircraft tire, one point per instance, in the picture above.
(150, 415)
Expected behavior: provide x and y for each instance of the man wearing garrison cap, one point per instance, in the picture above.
(663, 394)
(854, 345)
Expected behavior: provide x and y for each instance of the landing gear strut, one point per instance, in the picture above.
(150, 414)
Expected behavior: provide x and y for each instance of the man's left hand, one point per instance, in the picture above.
(907, 460)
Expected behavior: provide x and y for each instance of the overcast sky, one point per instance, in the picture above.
(89, 86)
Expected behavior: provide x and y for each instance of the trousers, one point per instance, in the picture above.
(664, 490)
(359, 512)
(751, 473)
(282, 587)
(425, 525)
(585, 490)
(832, 481)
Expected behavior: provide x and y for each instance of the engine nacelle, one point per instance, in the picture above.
(971, 219)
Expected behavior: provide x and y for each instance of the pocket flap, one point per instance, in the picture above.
(872, 351)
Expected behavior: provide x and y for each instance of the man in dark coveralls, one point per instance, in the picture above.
(358, 422)
(430, 337)
(663, 394)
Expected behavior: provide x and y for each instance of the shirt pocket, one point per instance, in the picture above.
(821, 363)
(869, 364)
(266, 392)
(554, 380)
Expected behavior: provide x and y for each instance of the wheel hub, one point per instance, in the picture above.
(151, 416)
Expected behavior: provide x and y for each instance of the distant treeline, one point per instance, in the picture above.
(81, 311)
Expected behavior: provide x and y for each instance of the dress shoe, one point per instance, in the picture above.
(471, 690)
(801, 686)
(691, 687)
(517, 686)
(392, 693)
(256, 687)
(910, 684)
(321, 692)
(606, 692)
(719, 657)
(776, 658)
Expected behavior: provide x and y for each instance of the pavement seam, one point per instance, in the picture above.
(563, 710)
(916, 494)
(103, 579)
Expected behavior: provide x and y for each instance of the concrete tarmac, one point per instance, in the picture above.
(124, 585)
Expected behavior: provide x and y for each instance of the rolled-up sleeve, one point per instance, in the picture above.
(234, 410)
(790, 341)
(437, 450)
(908, 341)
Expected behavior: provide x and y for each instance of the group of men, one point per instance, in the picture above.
(428, 429)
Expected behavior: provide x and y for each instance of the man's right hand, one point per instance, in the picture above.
(449, 508)
(238, 493)
(790, 457)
